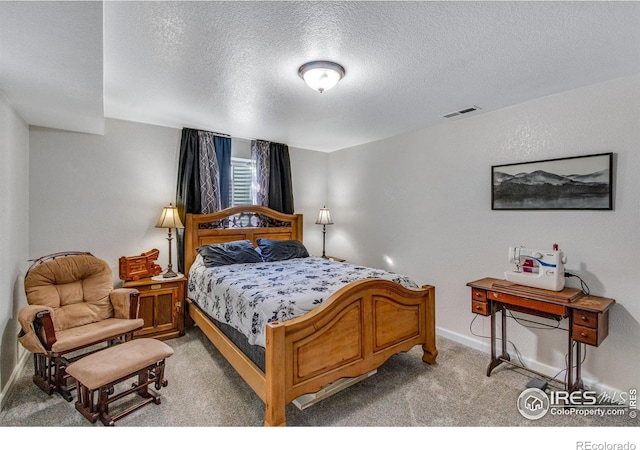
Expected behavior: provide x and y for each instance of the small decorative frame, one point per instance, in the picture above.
(579, 182)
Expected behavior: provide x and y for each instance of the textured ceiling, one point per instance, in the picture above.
(232, 67)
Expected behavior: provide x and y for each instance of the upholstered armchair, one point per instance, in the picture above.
(73, 310)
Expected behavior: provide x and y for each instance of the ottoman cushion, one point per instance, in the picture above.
(113, 363)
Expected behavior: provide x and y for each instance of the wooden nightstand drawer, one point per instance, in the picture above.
(481, 308)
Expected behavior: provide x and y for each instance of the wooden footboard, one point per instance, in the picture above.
(351, 333)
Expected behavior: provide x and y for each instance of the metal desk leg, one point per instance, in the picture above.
(505, 355)
(577, 385)
(570, 357)
(496, 361)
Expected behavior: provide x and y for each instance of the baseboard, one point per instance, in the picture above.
(464, 340)
(485, 347)
(17, 370)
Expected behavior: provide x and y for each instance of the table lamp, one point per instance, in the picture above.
(324, 219)
(169, 219)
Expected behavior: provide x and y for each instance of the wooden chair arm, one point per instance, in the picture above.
(43, 326)
(37, 333)
(134, 305)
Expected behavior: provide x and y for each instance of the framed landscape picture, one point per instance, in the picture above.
(580, 182)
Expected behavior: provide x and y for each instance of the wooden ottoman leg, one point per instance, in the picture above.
(143, 382)
(158, 373)
(84, 403)
(103, 406)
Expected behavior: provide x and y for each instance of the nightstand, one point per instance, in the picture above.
(161, 306)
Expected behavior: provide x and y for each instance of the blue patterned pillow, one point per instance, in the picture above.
(273, 250)
(235, 252)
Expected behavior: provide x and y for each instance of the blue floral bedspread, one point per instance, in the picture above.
(247, 296)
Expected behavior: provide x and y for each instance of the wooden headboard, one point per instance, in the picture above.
(237, 223)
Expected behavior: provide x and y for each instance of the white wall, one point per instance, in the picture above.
(309, 177)
(14, 238)
(420, 204)
(104, 194)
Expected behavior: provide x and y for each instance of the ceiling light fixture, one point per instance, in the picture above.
(321, 75)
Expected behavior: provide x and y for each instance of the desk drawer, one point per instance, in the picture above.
(478, 294)
(585, 318)
(586, 335)
(527, 303)
(480, 308)
(590, 327)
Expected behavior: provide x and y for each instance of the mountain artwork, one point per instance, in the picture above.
(568, 183)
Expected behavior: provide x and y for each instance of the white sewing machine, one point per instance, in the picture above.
(542, 269)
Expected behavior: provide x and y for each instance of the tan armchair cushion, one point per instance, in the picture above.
(121, 301)
(76, 287)
(92, 333)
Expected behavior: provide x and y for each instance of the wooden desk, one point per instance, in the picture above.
(588, 317)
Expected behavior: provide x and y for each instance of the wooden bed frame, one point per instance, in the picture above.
(351, 333)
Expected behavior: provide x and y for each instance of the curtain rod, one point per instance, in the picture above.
(215, 133)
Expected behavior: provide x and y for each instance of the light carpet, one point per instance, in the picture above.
(204, 391)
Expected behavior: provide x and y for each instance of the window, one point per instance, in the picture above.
(241, 182)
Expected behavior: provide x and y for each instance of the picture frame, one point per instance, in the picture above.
(573, 183)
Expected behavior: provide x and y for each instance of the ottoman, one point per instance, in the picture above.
(97, 375)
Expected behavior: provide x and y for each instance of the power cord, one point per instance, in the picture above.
(583, 285)
(515, 349)
(540, 326)
(566, 357)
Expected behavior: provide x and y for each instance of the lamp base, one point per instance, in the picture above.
(169, 274)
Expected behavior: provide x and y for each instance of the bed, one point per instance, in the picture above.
(349, 333)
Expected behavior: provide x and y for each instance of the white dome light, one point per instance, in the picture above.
(321, 75)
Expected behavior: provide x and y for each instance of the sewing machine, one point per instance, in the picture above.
(542, 269)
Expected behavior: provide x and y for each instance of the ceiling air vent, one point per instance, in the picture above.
(461, 112)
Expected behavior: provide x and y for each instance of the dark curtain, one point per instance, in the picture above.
(188, 189)
(280, 186)
(223, 155)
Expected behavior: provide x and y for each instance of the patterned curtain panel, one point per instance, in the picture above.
(209, 174)
(202, 167)
(260, 159)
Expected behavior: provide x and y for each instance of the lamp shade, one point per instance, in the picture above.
(324, 217)
(321, 75)
(169, 218)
